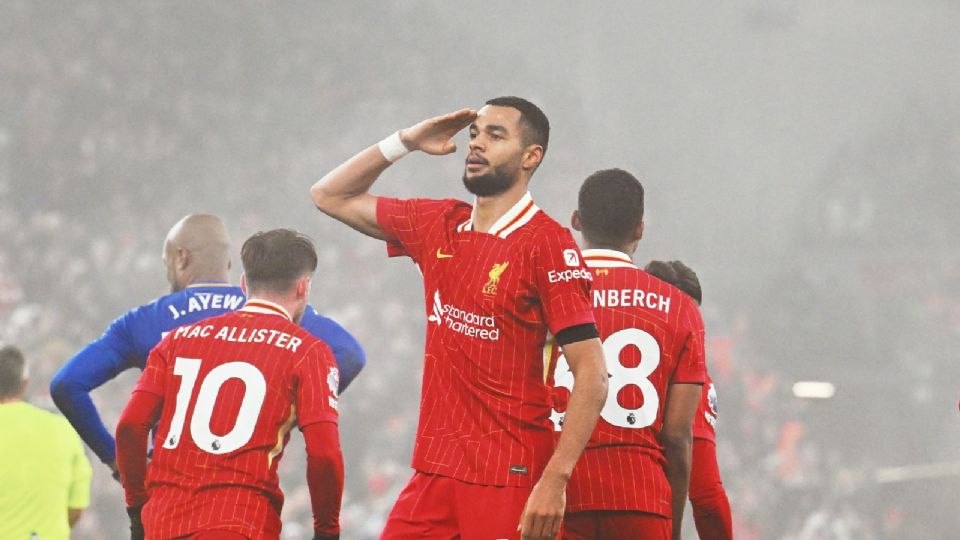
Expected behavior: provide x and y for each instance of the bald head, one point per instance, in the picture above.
(197, 249)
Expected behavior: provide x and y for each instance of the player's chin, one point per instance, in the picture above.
(471, 172)
(476, 184)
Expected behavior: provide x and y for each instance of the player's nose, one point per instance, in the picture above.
(476, 143)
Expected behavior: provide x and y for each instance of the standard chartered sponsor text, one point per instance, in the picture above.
(470, 324)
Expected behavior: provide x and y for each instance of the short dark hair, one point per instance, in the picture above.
(535, 126)
(679, 275)
(12, 366)
(274, 260)
(610, 205)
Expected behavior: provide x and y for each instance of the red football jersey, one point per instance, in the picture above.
(232, 387)
(705, 422)
(490, 300)
(652, 337)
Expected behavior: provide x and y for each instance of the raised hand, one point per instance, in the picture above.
(433, 134)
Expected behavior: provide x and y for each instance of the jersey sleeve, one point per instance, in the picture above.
(347, 351)
(154, 376)
(563, 282)
(703, 427)
(80, 474)
(406, 222)
(316, 391)
(691, 358)
(100, 361)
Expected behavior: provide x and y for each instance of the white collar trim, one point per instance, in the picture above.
(517, 216)
(607, 258)
(259, 305)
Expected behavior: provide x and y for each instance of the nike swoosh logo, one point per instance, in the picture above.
(441, 255)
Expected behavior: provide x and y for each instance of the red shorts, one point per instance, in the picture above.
(616, 525)
(440, 508)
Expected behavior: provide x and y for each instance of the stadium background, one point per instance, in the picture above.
(804, 158)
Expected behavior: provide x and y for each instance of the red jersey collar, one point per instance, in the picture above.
(517, 216)
(607, 258)
(259, 305)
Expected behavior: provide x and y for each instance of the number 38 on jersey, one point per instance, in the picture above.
(621, 378)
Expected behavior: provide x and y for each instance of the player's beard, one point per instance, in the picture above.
(495, 182)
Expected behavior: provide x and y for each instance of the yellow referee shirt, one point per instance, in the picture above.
(43, 471)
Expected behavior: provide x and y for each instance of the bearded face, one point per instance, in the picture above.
(494, 181)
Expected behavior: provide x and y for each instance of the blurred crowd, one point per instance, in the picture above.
(116, 122)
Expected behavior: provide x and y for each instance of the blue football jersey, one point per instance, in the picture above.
(130, 338)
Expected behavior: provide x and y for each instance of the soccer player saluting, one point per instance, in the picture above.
(226, 391)
(711, 508)
(498, 275)
(196, 255)
(634, 473)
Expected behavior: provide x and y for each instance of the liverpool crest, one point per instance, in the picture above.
(494, 275)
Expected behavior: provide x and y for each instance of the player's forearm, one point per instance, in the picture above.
(677, 441)
(343, 193)
(714, 520)
(73, 400)
(132, 462)
(133, 430)
(678, 450)
(325, 481)
(711, 509)
(324, 476)
(583, 410)
(351, 179)
(94, 365)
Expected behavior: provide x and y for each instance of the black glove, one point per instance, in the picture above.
(318, 536)
(136, 526)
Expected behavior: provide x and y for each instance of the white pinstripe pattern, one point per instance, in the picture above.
(192, 490)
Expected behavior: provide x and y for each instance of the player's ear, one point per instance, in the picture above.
(303, 287)
(532, 156)
(638, 233)
(243, 284)
(183, 258)
(575, 221)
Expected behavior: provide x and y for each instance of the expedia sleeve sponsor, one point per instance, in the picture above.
(568, 275)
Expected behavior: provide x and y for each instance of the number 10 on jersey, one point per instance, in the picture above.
(254, 392)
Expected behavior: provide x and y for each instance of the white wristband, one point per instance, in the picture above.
(392, 147)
